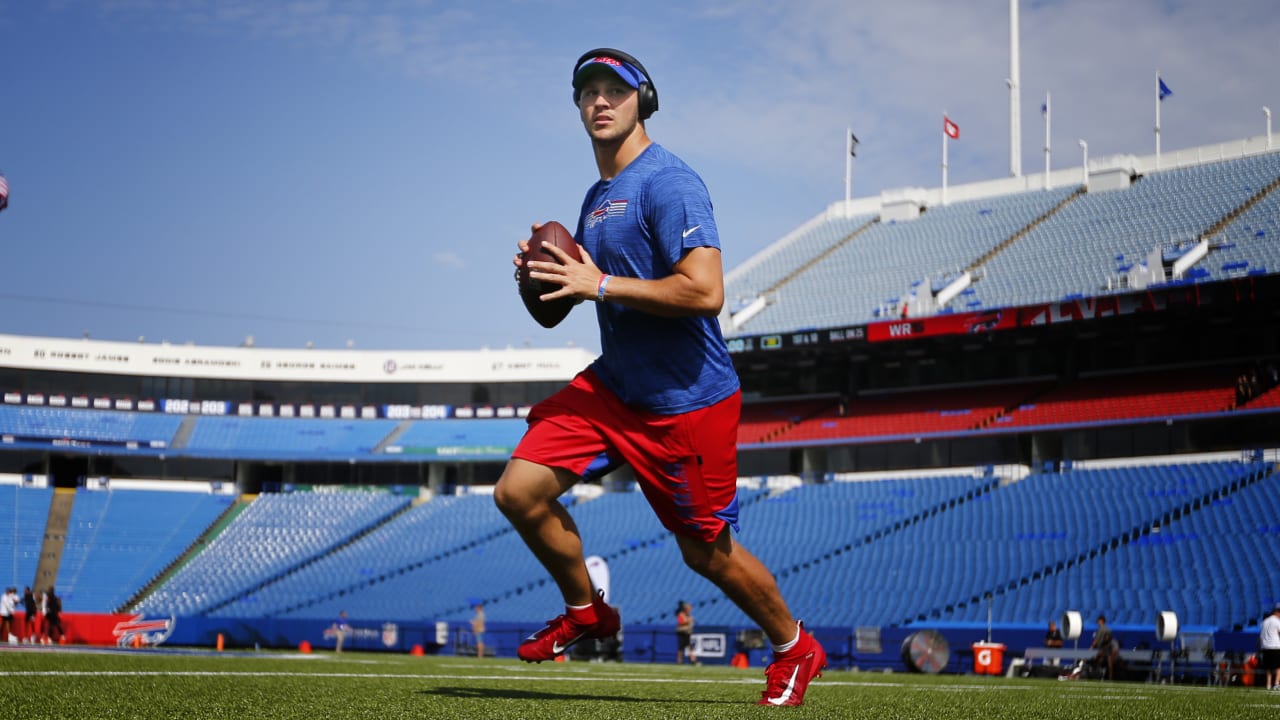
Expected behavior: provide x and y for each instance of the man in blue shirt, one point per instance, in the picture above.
(663, 397)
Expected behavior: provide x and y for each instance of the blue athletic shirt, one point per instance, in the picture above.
(639, 224)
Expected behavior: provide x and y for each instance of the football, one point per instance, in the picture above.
(548, 314)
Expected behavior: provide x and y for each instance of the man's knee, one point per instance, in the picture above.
(526, 488)
(510, 501)
(708, 558)
(699, 563)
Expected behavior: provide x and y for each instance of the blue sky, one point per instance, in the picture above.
(335, 171)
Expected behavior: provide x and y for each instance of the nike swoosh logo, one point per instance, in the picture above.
(786, 692)
(690, 231)
(557, 648)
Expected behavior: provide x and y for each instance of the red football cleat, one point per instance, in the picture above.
(565, 631)
(789, 674)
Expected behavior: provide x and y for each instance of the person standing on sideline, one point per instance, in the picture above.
(1269, 648)
(52, 617)
(684, 632)
(663, 396)
(30, 624)
(8, 606)
(340, 630)
(477, 629)
(1107, 647)
(43, 612)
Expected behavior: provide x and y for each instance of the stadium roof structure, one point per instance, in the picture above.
(301, 365)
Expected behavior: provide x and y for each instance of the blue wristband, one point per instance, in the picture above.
(604, 282)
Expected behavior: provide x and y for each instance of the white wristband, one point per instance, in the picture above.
(604, 282)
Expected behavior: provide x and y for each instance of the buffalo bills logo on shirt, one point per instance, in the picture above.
(605, 210)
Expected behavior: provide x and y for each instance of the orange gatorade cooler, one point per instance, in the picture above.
(988, 658)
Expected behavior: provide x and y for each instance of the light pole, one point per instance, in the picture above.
(1084, 163)
(1267, 111)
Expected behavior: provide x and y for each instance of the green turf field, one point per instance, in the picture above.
(144, 684)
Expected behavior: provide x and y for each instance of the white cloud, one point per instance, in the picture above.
(890, 69)
(448, 259)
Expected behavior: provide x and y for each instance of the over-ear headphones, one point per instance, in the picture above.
(646, 94)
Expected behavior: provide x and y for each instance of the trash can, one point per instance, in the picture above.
(988, 658)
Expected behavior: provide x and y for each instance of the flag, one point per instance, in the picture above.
(4, 192)
(951, 129)
(1044, 108)
(853, 144)
(1164, 89)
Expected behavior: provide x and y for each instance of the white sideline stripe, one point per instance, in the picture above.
(1113, 694)
(529, 678)
(356, 676)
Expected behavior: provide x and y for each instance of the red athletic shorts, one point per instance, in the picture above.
(686, 464)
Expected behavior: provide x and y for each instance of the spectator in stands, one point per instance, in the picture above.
(663, 396)
(30, 620)
(1269, 648)
(8, 606)
(477, 629)
(684, 632)
(1243, 391)
(1053, 636)
(1107, 647)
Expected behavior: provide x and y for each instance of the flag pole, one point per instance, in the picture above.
(945, 137)
(848, 169)
(1048, 143)
(1158, 118)
(1015, 94)
(1084, 163)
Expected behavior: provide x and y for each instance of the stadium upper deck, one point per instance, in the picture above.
(1207, 214)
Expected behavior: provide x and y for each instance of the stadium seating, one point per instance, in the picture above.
(1207, 564)
(1037, 254)
(881, 266)
(274, 535)
(912, 414)
(420, 536)
(763, 421)
(1091, 241)
(22, 523)
(908, 414)
(787, 256)
(1129, 396)
(97, 426)
(254, 436)
(118, 540)
(461, 438)
(1250, 244)
(1127, 540)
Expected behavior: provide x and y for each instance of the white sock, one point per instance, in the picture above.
(787, 646)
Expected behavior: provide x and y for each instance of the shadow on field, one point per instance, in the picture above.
(512, 694)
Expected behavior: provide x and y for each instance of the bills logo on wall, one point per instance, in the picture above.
(138, 629)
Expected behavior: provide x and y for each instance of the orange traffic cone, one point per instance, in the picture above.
(304, 647)
(417, 651)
